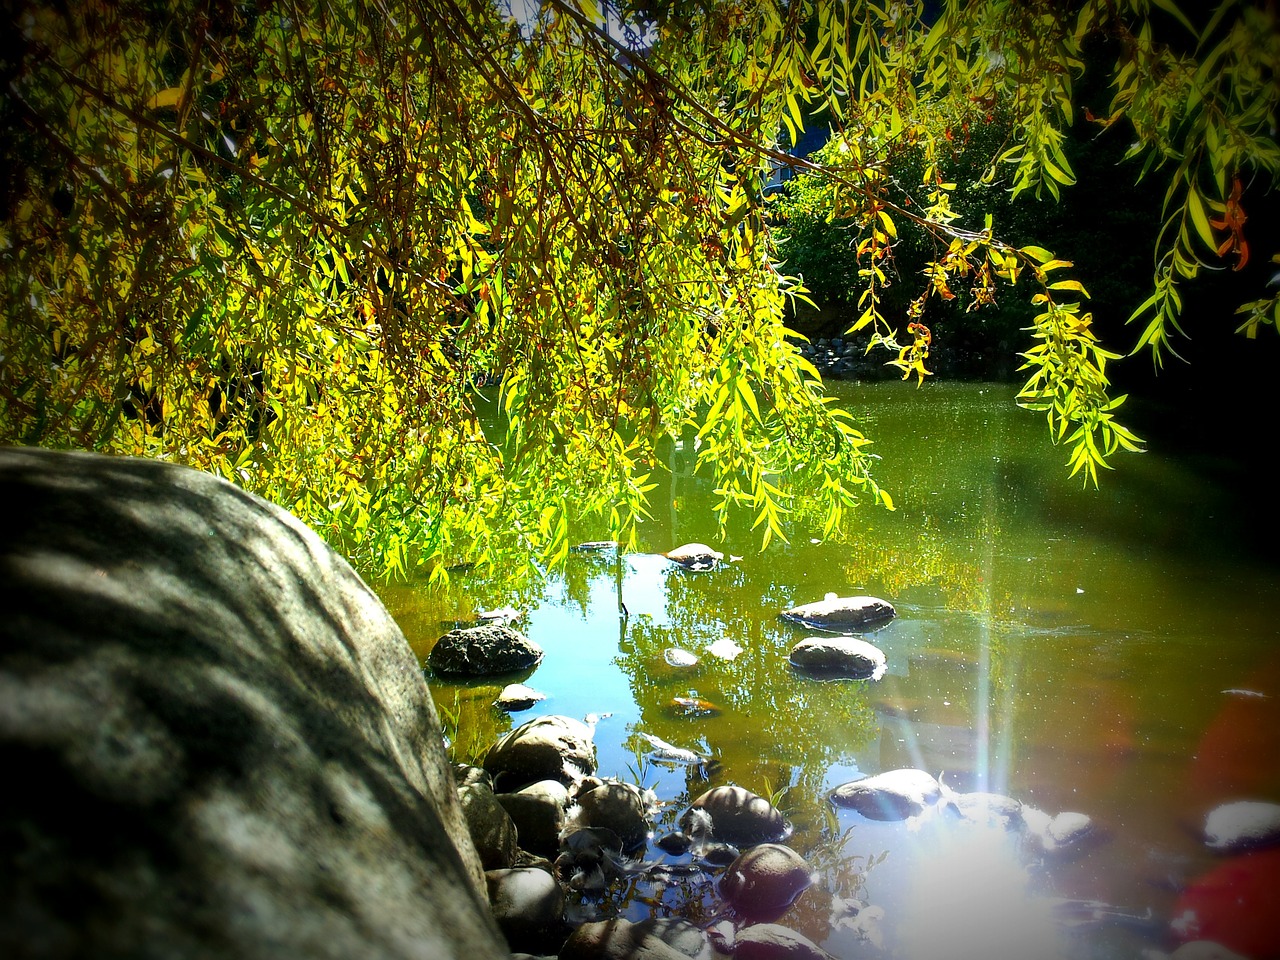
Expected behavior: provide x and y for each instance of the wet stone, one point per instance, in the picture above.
(621, 807)
(988, 809)
(545, 748)
(1242, 825)
(737, 816)
(847, 658)
(538, 812)
(491, 828)
(763, 882)
(516, 696)
(842, 613)
(483, 650)
(695, 556)
(894, 795)
(666, 939)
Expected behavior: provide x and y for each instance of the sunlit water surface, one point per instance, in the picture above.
(1108, 652)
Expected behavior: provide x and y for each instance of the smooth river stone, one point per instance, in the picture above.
(846, 658)
(842, 613)
(1242, 825)
(893, 795)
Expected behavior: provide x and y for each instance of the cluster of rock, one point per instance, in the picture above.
(842, 359)
(546, 826)
(907, 793)
(833, 655)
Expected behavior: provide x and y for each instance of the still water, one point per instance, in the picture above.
(1109, 652)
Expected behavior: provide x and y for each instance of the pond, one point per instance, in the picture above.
(1111, 653)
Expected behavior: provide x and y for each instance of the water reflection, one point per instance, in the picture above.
(1079, 651)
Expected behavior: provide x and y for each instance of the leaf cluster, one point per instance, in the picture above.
(308, 247)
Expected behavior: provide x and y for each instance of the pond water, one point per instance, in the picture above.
(1112, 653)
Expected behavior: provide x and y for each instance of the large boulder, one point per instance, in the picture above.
(218, 743)
(491, 648)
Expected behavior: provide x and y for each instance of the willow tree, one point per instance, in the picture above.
(303, 244)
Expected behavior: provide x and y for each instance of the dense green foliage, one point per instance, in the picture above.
(304, 246)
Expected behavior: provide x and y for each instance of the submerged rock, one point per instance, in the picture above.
(737, 816)
(544, 748)
(1242, 825)
(842, 613)
(516, 697)
(675, 657)
(893, 795)
(481, 651)
(1065, 833)
(988, 809)
(763, 882)
(695, 556)
(845, 658)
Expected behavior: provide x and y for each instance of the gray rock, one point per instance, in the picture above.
(842, 613)
(545, 748)
(1068, 829)
(675, 657)
(695, 556)
(538, 812)
(768, 941)
(481, 651)
(989, 809)
(763, 882)
(657, 939)
(515, 697)
(243, 738)
(491, 829)
(737, 816)
(893, 795)
(1242, 825)
(528, 905)
(612, 805)
(1061, 834)
(838, 658)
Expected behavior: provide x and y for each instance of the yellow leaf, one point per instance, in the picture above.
(165, 98)
(1200, 217)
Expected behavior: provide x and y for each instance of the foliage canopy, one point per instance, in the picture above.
(304, 245)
